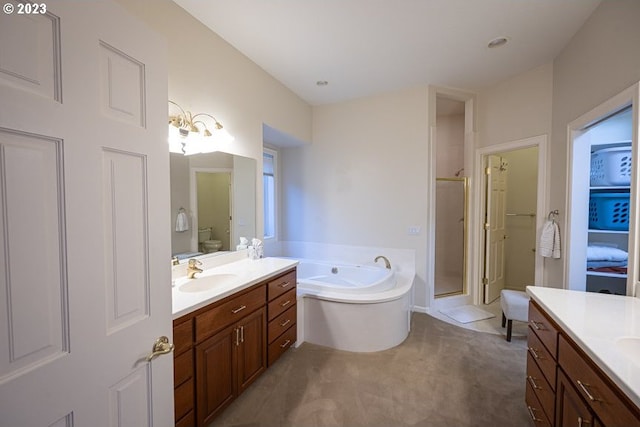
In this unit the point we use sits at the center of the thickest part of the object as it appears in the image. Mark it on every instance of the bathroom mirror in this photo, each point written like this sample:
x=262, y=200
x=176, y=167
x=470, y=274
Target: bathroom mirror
x=214, y=194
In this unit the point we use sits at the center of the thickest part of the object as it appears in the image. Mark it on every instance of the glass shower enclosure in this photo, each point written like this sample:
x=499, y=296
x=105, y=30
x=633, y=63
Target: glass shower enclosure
x=451, y=236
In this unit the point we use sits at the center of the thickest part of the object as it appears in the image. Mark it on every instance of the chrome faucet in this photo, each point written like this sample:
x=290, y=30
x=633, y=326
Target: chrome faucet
x=193, y=268
x=387, y=264
x=175, y=261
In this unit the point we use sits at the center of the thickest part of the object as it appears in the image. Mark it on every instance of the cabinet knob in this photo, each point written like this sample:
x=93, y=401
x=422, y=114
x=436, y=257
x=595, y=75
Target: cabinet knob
x=536, y=325
x=285, y=323
x=239, y=309
x=585, y=389
x=286, y=343
x=532, y=414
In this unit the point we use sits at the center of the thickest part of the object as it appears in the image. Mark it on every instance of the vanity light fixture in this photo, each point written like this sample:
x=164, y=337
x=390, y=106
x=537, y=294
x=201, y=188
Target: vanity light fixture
x=188, y=134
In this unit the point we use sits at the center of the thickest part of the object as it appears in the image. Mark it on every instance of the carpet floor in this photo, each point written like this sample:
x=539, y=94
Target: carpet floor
x=442, y=375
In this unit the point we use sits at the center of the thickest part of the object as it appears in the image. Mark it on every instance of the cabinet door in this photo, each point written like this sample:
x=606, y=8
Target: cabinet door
x=216, y=374
x=252, y=355
x=571, y=411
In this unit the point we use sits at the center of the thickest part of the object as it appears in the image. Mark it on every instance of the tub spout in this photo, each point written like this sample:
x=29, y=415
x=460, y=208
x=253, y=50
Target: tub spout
x=193, y=268
x=387, y=264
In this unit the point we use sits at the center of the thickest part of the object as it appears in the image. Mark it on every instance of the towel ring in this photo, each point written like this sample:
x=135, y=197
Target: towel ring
x=181, y=210
x=553, y=214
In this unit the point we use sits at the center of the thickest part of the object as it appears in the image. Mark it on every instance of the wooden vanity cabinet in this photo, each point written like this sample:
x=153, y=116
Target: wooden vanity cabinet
x=610, y=406
x=571, y=410
x=542, y=344
x=184, y=384
x=228, y=362
x=565, y=385
x=282, y=314
x=221, y=349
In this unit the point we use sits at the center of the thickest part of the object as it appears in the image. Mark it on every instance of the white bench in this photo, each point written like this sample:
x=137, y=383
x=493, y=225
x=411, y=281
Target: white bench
x=515, y=306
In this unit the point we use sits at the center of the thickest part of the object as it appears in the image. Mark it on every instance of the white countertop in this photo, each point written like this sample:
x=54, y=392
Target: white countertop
x=248, y=272
x=595, y=322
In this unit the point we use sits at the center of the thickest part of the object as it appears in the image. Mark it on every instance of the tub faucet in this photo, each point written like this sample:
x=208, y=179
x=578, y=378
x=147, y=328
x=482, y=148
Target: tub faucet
x=387, y=264
x=193, y=268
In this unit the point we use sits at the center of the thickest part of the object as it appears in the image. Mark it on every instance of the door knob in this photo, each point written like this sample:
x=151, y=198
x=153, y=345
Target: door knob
x=160, y=347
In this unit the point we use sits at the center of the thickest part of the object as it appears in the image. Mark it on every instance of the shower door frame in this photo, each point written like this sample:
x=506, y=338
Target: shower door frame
x=465, y=232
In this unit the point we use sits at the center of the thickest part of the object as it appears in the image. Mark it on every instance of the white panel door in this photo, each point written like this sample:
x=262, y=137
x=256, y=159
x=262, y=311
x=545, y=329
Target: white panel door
x=84, y=214
x=495, y=236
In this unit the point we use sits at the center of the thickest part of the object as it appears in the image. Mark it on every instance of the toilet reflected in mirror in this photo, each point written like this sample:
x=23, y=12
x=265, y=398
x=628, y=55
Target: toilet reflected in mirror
x=206, y=243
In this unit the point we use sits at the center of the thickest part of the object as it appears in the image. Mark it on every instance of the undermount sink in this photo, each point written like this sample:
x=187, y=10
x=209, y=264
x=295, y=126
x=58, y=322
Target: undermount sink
x=205, y=283
x=629, y=346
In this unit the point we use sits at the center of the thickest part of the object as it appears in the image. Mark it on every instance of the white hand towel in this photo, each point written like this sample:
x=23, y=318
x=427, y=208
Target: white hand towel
x=550, y=240
x=182, y=222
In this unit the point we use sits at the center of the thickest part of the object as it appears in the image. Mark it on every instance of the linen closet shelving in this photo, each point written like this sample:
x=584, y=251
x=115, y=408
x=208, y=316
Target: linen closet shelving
x=603, y=194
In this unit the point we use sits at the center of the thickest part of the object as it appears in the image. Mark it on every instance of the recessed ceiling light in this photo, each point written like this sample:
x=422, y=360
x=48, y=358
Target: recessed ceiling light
x=322, y=83
x=497, y=42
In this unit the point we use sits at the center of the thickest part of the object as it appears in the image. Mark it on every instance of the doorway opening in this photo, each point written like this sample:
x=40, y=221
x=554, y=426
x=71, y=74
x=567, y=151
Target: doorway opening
x=211, y=204
x=512, y=187
x=449, y=259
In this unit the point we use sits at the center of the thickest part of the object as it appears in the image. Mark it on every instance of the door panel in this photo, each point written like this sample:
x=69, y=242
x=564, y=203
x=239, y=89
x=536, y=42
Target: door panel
x=84, y=212
x=495, y=236
x=30, y=46
x=31, y=227
x=125, y=240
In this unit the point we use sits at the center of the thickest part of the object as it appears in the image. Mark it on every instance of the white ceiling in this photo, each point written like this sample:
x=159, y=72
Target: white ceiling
x=363, y=47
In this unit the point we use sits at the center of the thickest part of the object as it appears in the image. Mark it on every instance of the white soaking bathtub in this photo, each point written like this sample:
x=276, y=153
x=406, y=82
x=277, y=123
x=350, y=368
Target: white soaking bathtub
x=353, y=307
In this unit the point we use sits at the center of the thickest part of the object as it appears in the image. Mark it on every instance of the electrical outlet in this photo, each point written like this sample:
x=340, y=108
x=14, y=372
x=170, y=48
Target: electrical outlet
x=413, y=230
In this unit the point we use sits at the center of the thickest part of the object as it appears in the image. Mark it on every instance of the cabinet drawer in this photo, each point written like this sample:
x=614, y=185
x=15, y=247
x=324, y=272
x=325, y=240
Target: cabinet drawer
x=535, y=409
x=281, y=323
x=183, y=396
x=188, y=420
x=544, y=328
x=542, y=357
x=282, y=303
x=182, y=336
x=228, y=312
x=183, y=367
x=601, y=395
x=541, y=388
x=280, y=285
x=571, y=410
x=281, y=345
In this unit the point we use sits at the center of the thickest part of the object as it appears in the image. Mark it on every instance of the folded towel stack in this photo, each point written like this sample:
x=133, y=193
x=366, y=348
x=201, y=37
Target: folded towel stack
x=606, y=253
x=601, y=257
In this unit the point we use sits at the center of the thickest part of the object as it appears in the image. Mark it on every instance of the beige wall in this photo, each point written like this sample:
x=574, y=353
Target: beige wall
x=206, y=74
x=517, y=108
x=600, y=61
x=363, y=180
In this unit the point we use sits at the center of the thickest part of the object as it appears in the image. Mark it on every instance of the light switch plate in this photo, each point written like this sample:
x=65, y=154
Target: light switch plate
x=413, y=230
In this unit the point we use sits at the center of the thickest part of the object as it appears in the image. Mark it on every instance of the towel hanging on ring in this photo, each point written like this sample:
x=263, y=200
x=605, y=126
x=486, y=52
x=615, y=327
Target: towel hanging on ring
x=550, y=240
x=182, y=221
